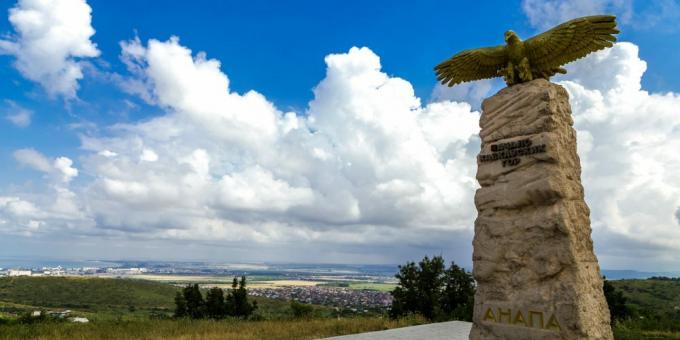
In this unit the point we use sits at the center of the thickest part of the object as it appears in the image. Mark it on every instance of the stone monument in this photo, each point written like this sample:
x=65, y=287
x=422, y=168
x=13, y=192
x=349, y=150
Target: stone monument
x=537, y=276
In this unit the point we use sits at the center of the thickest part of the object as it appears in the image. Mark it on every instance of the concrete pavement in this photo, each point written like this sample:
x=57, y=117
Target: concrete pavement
x=451, y=330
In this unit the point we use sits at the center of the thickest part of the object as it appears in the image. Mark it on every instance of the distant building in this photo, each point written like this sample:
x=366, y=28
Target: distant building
x=53, y=271
x=126, y=271
x=89, y=270
x=60, y=314
x=16, y=272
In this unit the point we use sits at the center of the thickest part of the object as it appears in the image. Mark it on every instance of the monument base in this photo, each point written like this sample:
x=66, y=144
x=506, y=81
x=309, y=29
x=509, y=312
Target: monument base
x=537, y=275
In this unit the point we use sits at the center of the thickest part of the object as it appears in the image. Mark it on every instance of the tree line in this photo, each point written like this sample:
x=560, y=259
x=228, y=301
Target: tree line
x=433, y=291
x=427, y=288
x=189, y=303
x=439, y=294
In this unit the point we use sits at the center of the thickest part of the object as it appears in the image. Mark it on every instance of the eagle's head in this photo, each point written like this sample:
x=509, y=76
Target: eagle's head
x=511, y=37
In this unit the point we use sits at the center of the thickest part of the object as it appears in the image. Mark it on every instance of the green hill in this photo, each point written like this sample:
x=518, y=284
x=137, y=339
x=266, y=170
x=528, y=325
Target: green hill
x=652, y=296
x=86, y=293
x=655, y=309
x=108, y=298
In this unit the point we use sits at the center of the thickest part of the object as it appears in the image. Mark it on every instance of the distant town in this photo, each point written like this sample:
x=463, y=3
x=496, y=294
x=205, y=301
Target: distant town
x=358, y=288
x=358, y=300
x=61, y=271
x=361, y=289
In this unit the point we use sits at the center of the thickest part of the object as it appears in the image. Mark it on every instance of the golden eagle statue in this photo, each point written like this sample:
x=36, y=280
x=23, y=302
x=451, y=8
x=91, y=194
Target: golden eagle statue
x=538, y=57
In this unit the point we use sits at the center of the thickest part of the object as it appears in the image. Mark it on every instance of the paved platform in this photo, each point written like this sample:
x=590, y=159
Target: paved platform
x=451, y=330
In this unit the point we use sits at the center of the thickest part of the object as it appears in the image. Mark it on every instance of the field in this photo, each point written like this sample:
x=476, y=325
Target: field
x=383, y=287
x=204, y=329
x=183, y=279
x=282, y=283
x=260, y=281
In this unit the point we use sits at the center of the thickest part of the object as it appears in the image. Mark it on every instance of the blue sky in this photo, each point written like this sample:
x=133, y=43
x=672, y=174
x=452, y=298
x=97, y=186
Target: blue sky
x=277, y=49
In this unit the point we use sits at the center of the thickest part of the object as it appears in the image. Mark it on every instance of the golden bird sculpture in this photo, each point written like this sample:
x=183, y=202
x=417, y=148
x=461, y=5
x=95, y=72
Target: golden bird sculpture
x=538, y=57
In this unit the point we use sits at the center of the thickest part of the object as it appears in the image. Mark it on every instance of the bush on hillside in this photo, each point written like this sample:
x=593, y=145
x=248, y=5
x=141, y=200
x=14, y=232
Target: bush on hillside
x=301, y=310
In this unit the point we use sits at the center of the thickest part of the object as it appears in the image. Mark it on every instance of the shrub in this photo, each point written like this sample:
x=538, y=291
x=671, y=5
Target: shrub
x=301, y=310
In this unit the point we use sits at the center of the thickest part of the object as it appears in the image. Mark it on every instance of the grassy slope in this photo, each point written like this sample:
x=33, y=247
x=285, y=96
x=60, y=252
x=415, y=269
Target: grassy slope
x=204, y=329
x=110, y=299
x=660, y=296
x=650, y=299
x=88, y=293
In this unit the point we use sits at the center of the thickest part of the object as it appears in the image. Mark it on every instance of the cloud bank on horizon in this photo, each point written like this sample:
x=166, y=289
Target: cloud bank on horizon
x=365, y=164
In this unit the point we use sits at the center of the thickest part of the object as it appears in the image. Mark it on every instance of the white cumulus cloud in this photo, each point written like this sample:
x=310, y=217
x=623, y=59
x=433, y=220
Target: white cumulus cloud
x=50, y=38
x=50, y=209
x=628, y=139
x=367, y=164
x=365, y=156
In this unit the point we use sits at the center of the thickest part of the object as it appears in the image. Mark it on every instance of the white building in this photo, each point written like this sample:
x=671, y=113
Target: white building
x=126, y=271
x=17, y=272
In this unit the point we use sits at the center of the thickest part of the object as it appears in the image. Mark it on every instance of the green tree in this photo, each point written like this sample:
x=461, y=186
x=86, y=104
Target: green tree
x=616, y=302
x=229, y=303
x=430, y=285
x=459, y=292
x=432, y=291
x=180, y=306
x=405, y=295
x=194, y=300
x=214, y=303
x=237, y=301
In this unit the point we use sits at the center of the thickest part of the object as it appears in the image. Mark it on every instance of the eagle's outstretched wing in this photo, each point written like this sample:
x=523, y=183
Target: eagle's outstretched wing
x=570, y=41
x=479, y=63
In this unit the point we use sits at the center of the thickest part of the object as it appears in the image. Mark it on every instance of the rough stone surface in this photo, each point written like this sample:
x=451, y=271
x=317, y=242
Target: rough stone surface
x=537, y=275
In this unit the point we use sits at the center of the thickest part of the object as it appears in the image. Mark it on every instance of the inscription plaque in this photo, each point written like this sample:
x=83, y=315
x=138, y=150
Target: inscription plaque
x=510, y=152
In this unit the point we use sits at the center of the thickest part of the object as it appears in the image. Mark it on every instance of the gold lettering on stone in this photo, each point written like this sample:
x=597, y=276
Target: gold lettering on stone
x=531, y=319
x=489, y=315
x=553, y=324
x=502, y=313
x=519, y=318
